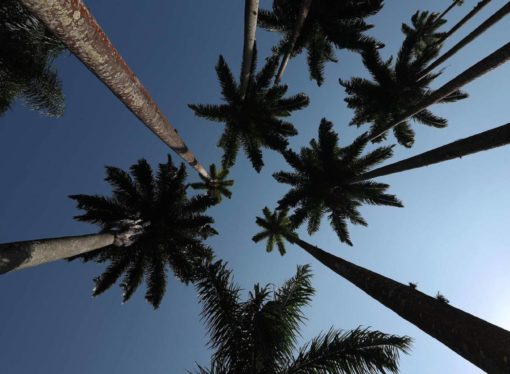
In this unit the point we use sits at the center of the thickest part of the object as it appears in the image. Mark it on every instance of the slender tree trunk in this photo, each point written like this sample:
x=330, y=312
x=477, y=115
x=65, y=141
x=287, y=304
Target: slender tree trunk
x=251, y=12
x=21, y=255
x=480, y=142
x=300, y=21
x=482, y=67
x=480, y=342
x=73, y=23
x=492, y=20
x=447, y=10
x=478, y=7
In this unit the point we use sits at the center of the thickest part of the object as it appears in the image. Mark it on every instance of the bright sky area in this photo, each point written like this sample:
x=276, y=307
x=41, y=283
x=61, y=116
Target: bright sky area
x=452, y=235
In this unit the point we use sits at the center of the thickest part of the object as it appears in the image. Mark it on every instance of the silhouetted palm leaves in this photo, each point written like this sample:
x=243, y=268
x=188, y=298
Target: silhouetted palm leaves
x=259, y=335
x=398, y=86
x=173, y=236
x=320, y=182
x=216, y=185
x=330, y=24
x=255, y=122
x=27, y=51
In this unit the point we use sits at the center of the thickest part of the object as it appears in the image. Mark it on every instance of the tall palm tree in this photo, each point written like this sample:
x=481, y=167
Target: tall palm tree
x=147, y=224
x=449, y=8
x=251, y=9
x=488, y=23
x=27, y=52
x=483, y=344
x=76, y=27
x=477, y=8
x=396, y=86
x=319, y=27
x=259, y=335
x=217, y=185
x=254, y=121
x=320, y=182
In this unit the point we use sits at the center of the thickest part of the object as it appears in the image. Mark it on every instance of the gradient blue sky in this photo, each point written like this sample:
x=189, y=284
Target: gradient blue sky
x=451, y=236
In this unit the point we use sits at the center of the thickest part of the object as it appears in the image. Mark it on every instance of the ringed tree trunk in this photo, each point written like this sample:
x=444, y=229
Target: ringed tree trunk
x=492, y=20
x=300, y=21
x=75, y=26
x=480, y=342
x=483, y=141
x=251, y=12
x=478, y=7
x=21, y=255
x=477, y=70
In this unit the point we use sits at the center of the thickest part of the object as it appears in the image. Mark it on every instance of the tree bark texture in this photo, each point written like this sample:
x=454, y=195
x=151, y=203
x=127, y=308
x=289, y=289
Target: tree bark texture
x=483, y=141
x=482, y=67
x=483, y=344
x=21, y=255
x=251, y=12
x=73, y=23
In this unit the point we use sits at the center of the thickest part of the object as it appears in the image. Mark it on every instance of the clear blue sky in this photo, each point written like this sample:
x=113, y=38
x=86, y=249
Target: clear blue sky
x=451, y=236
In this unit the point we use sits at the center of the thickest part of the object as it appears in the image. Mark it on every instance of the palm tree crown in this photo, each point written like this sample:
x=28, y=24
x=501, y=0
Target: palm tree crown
x=27, y=51
x=217, y=185
x=175, y=228
x=399, y=86
x=259, y=335
x=255, y=121
x=329, y=24
x=321, y=182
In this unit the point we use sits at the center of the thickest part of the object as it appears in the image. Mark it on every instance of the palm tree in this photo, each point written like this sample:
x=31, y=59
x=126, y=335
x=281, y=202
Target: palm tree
x=76, y=27
x=396, y=86
x=450, y=7
x=488, y=23
x=251, y=9
x=259, y=335
x=477, y=8
x=217, y=185
x=483, y=141
x=320, y=182
x=483, y=344
x=27, y=52
x=254, y=121
x=319, y=27
x=147, y=224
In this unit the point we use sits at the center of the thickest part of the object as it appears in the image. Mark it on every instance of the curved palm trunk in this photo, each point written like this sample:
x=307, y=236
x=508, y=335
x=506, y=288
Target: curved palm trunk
x=73, y=23
x=483, y=141
x=478, y=7
x=482, y=67
x=480, y=342
x=21, y=255
x=492, y=20
x=251, y=11
x=300, y=21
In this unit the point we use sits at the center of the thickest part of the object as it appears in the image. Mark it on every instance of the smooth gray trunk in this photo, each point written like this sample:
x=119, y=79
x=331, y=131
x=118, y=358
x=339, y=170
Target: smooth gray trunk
x=300, y=21
x=482, y=67
x=480, y=342
x=251, y=12
x=73, y=23
x=478, y=7
x=483, y=141
x=492, y=20
x=21, y=255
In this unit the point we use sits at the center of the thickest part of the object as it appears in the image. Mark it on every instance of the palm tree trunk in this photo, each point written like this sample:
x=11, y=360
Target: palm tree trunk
x=300, y=21
x=482, y=67
x=73, y=23
x=21, y=255
x=478, y=7
x=480, y=142
x=251, y=11
x=492, y=20
x=480, y=342
x=447, y=10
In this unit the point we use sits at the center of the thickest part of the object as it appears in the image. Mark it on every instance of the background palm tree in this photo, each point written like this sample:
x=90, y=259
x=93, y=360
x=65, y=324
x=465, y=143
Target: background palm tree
x=259, y=335
x=27, y=52
x=217, y=185
x=254, y=121
x=396, y=87
x=477, y=8
x=320, y=182
x=147, y=224
x=328, y=24
x=483, y=344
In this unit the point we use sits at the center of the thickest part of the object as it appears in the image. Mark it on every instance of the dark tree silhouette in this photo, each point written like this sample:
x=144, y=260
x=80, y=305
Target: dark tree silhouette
x=259, y=335
x=320, y=182
x=217, y=185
